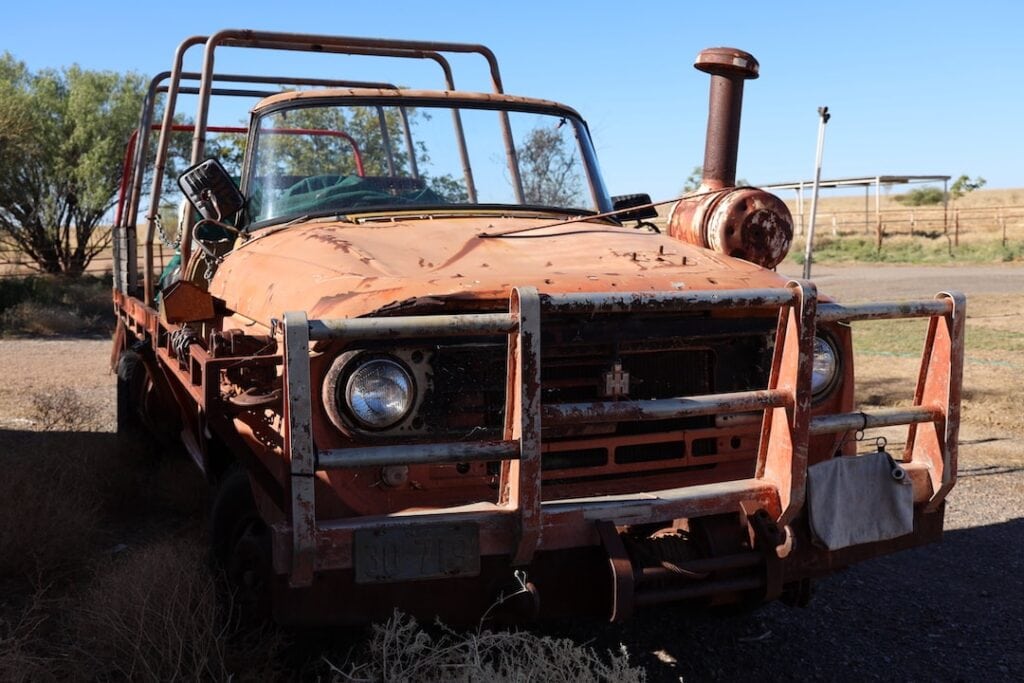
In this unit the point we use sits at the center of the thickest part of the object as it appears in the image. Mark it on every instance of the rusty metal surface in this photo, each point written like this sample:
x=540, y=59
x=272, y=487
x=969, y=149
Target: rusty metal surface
x=418, y=454
x=299, y=448
x=782, y=458
x=662, y=409
x=623, y=580
x=870, y=419
x=425, y=552
x=702, y=566
x=728, y=67
x=883, y=311
x=410, y=97
x=345, y=270
x=184, y=301
x=406, y=326
x=745, y=223
x=521, y=479
x=753, y=225
x=626, y=302
x=939, y=386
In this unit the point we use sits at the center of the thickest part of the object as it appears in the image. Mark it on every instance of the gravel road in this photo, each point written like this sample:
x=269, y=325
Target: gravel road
x=873, y=282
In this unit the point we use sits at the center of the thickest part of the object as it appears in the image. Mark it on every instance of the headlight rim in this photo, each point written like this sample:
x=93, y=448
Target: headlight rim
x=335, y=391
x=817, y=396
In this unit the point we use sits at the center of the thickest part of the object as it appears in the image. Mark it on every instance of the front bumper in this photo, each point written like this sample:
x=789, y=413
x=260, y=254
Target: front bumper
x=519, y=525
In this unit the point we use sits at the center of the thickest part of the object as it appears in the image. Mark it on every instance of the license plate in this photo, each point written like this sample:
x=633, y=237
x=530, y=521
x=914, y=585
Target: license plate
x=416, y=552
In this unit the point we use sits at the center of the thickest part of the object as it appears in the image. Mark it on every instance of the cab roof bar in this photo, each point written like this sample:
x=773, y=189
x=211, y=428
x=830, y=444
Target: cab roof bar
x=313, y=43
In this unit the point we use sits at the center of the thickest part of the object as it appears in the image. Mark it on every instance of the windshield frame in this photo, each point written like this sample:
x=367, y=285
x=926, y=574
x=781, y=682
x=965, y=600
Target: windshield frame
x=442, y=101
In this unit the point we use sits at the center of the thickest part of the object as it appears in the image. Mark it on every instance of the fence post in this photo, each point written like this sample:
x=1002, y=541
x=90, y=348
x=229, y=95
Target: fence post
x=879, y=230
x=956, y=227
x=1002, y=225
x=913, y=222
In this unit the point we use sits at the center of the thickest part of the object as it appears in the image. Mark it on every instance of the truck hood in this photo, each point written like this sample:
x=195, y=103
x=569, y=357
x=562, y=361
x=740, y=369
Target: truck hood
x=333, y=269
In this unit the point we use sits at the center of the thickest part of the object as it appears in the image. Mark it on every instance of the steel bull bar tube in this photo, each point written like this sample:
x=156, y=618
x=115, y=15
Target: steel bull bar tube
x=778, y=484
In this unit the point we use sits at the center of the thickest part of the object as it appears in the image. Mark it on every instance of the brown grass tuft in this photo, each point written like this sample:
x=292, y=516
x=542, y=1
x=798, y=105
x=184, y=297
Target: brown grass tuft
x=48, y=306
x=63, y=410
x=43, y=320
x=400, y=650
x=20, y=659
x=153, y=615
x=49, y=512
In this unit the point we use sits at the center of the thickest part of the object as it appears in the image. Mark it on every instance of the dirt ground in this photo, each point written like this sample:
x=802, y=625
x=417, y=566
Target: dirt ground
x=952, y=611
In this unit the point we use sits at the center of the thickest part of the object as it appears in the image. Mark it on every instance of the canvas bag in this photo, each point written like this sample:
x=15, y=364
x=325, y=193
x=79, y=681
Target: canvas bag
x=859, y=499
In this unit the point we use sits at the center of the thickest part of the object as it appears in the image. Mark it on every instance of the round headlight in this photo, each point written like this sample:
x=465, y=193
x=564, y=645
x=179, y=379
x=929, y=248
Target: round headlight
x=826, y=366
x=379, y=393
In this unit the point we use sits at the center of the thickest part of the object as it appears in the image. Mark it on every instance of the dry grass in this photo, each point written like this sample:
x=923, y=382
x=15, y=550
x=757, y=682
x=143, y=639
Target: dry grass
x=829, y=202
x=63, y=409
x=48, y=306
x=20, y=659
x=401, y=650
x=152, y=615
x=117, y=537
x=49, y=512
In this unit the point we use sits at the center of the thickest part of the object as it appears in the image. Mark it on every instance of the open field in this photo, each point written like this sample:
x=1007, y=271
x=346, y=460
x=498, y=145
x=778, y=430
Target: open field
x=953, y=611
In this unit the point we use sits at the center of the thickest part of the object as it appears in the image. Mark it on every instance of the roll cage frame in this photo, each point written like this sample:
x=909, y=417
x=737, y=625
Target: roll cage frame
x=126, y=276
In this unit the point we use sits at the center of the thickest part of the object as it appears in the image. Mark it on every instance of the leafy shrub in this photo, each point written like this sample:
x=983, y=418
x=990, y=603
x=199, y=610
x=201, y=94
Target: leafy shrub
x=51, y=305
x=921, y=196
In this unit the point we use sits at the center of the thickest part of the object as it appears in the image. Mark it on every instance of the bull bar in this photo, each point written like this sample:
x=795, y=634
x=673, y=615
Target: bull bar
x=519, y=523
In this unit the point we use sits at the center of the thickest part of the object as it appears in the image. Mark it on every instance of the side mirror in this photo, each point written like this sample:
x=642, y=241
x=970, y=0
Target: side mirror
x=211, y=190
x=623, y=202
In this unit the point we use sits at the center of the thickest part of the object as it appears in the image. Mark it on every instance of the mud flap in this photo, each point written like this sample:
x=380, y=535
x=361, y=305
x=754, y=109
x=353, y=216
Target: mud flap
x=859, y=499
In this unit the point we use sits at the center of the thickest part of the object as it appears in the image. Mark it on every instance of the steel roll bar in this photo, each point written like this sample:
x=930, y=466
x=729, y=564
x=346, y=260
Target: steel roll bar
x=126, y=267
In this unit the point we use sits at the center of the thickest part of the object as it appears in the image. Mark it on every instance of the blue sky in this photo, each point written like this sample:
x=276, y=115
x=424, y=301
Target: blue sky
x=914, y=88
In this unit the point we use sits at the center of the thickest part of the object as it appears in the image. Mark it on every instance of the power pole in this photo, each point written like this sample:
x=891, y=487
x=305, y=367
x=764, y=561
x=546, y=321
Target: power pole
x=824, y=116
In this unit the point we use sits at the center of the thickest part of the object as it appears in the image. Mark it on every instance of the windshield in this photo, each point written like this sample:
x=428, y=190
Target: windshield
x=318, y=159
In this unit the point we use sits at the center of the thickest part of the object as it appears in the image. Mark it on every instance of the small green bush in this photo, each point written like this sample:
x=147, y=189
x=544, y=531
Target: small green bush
x=921, y=196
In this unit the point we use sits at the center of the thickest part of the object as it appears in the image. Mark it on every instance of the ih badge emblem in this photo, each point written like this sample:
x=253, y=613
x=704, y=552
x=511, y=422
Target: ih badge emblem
x=616, y=382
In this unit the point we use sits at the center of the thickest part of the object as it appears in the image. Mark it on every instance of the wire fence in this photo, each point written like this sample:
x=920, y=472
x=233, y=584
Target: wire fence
x=1003, y=223
x=15, y=263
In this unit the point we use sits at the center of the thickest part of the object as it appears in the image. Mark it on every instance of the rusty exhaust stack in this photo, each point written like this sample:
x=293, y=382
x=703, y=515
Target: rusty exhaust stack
x=744, y=223
x=728, y=67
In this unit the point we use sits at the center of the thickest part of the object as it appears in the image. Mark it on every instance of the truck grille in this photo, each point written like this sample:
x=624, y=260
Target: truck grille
x=664, y=359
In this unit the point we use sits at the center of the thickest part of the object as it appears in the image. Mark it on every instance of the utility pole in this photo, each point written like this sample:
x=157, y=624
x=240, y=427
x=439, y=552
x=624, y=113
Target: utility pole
x=824, y=116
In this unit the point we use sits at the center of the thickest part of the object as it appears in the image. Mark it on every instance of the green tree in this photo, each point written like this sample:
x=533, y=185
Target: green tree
x=61, y=146
x=318, y=154
x=382, y=146
x=965, y=184
x=693, y=181
x=550, y=168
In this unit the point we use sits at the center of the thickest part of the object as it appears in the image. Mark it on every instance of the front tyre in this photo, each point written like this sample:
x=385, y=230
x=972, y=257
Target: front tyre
x=240, y=545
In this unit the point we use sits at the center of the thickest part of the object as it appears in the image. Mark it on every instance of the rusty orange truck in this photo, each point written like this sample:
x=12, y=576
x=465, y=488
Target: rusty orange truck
x=431, y=364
